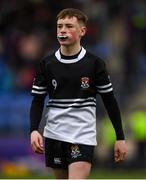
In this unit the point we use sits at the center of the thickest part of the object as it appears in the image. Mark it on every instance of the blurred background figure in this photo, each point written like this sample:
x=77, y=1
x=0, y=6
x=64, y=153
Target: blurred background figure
x=116, y=33
x=138, y=132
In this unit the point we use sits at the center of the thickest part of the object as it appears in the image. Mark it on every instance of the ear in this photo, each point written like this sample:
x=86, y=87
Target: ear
x=83, y=31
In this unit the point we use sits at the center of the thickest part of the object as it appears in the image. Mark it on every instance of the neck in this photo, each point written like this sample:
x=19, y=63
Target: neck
x=70, y=50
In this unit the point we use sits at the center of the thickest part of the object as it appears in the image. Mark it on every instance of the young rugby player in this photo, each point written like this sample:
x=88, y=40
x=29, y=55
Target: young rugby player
x=72, y=77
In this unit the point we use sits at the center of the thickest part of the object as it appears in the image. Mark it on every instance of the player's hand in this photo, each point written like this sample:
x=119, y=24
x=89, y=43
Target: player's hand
x=119, y=150
x=37, y=142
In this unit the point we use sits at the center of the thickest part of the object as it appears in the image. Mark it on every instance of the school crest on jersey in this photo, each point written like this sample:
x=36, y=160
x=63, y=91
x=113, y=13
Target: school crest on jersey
x=75, y=151
x=85, y=82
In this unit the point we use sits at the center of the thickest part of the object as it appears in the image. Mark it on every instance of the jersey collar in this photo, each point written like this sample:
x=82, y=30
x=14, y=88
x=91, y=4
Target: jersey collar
x=68, y=61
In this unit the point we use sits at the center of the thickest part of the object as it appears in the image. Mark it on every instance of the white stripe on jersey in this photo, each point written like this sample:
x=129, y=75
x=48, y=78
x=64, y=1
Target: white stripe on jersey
x=38, y=92
x=104, y=86
x=70, y=105
x=66, y=103
x=73, y=100
x=105, y=91
x=39, y=87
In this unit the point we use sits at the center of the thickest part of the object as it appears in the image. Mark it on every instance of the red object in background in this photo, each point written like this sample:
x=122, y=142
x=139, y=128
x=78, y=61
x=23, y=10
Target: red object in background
x=25, y=78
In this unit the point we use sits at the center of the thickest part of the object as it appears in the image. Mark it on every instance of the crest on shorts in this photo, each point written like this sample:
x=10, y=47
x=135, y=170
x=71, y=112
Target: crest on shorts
x=85, y=82
x=57, y=160
x=75, y=151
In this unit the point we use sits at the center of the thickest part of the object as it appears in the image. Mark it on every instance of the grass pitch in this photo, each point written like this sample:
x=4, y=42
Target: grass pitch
x=95, y=174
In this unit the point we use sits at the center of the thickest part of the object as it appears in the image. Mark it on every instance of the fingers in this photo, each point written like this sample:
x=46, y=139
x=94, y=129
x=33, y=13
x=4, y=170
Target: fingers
x=37, y=148
x=116, y=156
x=40, y=142
x=120, y=151
x=119, y=156
x=37, y=142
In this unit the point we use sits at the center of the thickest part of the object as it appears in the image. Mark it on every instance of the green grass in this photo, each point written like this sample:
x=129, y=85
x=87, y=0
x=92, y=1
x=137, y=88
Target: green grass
x=97, y=174
x=118, y=174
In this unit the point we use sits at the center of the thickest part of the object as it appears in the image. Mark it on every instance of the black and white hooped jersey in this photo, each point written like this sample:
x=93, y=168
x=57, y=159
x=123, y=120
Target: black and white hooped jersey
x=72, y=85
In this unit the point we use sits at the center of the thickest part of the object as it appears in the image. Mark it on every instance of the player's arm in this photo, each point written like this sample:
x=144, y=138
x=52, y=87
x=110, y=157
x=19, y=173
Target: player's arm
x=36, y=111
x=39, y=92
x=105, y=89
x=112, y=108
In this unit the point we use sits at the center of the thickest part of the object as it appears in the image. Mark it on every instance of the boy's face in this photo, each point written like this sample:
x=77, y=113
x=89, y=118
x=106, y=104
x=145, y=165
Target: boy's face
x=69, y=31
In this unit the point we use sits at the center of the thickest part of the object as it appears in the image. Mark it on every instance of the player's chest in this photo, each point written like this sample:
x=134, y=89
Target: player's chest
x=77, y=74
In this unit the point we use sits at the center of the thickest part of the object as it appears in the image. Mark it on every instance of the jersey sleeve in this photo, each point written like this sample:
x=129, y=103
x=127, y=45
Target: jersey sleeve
x=103, y=82
x=105, y=89
x=39, y=87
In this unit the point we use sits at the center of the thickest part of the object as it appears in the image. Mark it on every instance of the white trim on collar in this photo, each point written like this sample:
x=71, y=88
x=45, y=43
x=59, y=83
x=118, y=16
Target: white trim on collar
x=80, y=56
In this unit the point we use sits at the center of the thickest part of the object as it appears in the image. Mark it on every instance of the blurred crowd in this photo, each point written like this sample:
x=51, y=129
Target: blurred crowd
x=116, y=33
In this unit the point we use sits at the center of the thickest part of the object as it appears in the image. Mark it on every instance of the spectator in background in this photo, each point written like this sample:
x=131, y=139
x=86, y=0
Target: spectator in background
x=30, y=49
x=21, y=18
x=137, y=121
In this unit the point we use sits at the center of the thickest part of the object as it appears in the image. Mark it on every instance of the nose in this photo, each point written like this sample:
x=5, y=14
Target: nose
x=63, y=29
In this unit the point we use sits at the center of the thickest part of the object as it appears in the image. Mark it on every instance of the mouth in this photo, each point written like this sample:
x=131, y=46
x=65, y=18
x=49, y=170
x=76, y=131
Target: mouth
x=62, y=37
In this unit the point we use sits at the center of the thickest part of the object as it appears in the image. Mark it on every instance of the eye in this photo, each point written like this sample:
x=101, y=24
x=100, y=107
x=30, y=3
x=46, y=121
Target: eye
x=69, y=26
x=59, y=26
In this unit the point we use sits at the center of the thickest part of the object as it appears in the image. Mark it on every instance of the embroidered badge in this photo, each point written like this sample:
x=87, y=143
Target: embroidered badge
x=57, y=160
x=75, y=151
x=85, y=82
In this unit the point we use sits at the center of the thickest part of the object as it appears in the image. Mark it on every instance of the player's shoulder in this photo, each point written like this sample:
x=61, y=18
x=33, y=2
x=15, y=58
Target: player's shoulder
x=48, y=57
x=98, y=61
